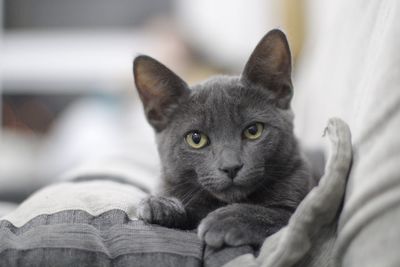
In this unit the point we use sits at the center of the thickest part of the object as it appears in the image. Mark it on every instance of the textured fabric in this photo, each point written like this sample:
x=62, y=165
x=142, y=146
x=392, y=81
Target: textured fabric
x=94, y=197
x=91, y=221
x=111, y=234
x=217, y=258
x=309, y=237
x=352, y=67
x=50, y=257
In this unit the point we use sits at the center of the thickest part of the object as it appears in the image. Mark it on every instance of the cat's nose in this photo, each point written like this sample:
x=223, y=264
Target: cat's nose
x=231, y=171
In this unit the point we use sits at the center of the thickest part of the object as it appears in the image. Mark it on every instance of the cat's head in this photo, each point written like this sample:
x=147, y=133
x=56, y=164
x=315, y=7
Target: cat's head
x=228, y=135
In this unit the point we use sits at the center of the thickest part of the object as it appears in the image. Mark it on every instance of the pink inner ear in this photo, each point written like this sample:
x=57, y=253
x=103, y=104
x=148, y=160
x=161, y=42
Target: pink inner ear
x=281, y=57
x=147, y=84
x=270, y=67
x=270, y=58
x=159, y=89
x=276, y=54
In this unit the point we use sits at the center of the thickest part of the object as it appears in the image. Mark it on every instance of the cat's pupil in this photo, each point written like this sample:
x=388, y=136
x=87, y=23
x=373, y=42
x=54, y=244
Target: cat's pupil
x=252, y=129
x=196, y=137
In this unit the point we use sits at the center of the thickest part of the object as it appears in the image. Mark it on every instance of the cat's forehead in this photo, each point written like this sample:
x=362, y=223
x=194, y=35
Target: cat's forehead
x=224, y=101
x=218, y=82
x=223, y=92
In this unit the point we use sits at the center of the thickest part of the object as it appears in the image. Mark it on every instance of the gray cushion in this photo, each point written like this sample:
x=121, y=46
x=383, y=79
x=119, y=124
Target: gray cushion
x=92, y=222
x=74, y=237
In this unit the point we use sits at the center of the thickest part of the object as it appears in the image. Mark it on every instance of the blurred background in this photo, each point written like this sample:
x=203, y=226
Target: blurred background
x=67, y=92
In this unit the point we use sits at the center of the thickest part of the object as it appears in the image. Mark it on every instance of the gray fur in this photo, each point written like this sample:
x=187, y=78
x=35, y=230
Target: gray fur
x=273, y=178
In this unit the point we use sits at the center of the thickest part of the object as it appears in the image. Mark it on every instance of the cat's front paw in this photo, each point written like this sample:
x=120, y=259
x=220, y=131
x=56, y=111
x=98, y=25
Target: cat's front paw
x=164, y=211
x=227, y=226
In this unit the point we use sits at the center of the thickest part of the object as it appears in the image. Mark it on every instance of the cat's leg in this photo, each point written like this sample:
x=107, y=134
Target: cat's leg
x=241, y=224
x=165, y=211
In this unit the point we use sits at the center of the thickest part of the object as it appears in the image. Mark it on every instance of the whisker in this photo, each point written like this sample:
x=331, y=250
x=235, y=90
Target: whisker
x=195, y=196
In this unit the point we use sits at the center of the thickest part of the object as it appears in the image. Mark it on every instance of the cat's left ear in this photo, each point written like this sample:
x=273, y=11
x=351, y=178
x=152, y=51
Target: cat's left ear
x=269, y=67
x=159, y=88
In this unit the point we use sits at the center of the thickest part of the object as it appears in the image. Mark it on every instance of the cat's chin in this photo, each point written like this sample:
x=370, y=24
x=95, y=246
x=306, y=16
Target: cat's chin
x=232, y=194
x=228, y=190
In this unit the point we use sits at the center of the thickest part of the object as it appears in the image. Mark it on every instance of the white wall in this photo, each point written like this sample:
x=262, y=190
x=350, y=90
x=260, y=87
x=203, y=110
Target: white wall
x=227, y=30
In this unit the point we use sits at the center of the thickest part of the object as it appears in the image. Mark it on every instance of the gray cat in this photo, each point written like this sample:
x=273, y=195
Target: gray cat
x=231, y=165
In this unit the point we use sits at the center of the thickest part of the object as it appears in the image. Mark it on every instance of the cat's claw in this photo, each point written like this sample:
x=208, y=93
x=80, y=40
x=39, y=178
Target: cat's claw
x=164, y=211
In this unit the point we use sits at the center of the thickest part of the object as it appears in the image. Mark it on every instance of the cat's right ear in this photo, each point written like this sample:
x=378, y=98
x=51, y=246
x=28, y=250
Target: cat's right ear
x=269, y=67
x=159, y=88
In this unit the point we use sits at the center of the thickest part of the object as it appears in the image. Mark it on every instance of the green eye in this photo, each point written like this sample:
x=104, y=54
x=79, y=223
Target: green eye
x=196, y=139
x=253, y=131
